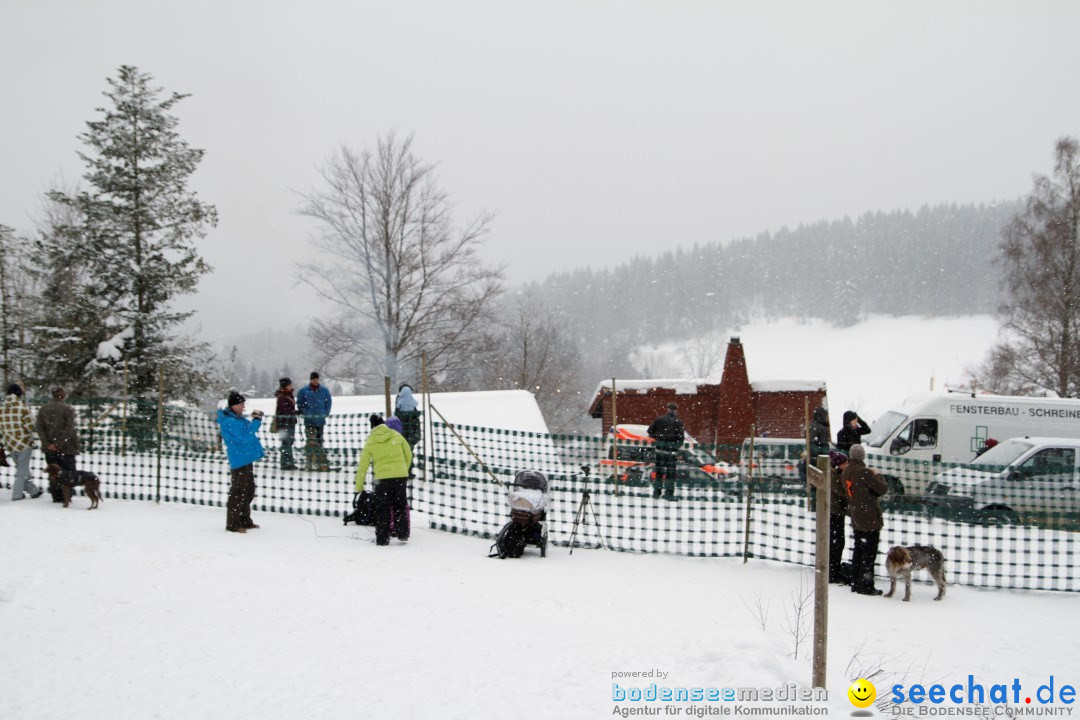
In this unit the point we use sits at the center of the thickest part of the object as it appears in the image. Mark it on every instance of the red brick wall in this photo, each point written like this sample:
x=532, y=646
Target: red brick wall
x=781, y=414
x=712, y=416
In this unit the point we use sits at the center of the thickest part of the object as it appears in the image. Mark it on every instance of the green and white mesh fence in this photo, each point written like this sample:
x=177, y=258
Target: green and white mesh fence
x=997, y=527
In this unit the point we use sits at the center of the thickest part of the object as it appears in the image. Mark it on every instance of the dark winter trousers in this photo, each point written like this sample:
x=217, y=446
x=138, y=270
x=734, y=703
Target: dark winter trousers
x=391, y=504
x=864, y=559
x=66, y=462
x=837, y=538
x=287, y=434
x=313, y=447
x=665, y=473
x=241, y=493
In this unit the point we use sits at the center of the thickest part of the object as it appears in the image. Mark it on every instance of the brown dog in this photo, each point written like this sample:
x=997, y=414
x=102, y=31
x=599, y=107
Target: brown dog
x=902, y=560
x=65, y=480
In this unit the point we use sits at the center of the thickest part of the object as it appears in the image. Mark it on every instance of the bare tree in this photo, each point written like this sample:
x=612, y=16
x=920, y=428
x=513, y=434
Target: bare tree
x=1041, y=254
x=531, y=350
x=702, y=353
x=393, y=263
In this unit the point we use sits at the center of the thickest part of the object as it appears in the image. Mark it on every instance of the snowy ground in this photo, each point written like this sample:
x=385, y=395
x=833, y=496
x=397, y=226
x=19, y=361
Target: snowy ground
x=140, y=610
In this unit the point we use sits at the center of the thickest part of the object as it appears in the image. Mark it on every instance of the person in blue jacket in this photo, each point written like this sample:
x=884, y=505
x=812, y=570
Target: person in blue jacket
x=314, y=401
x=243, y=447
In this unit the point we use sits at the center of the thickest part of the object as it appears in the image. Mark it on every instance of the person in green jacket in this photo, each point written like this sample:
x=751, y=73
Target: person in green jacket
x=391, y=456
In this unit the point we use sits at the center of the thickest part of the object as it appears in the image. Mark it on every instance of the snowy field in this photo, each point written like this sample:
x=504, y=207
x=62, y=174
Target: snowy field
x=140, y=610
x=153, y=611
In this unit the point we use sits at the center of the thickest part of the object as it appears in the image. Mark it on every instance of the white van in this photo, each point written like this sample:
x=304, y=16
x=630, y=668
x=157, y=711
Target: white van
x=1028, y=476
x=908, y=443
x=774, y=459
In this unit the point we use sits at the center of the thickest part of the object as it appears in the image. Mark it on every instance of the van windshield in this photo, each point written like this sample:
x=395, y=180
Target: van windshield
x=1004, y=453
x=884, y=427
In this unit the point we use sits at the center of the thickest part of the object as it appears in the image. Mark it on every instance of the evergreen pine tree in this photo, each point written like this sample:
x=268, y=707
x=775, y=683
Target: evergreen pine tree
x=139, y=225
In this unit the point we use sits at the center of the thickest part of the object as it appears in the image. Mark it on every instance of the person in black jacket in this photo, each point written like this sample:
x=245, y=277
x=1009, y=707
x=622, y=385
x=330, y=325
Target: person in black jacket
x=668, y=435
x=819, y=434
x=851, y=434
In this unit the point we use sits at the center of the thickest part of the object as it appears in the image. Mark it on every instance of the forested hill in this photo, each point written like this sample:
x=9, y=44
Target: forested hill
x=936, y=261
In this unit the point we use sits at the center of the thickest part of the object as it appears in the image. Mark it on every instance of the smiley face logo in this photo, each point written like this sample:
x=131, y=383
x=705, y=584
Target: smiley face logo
x=862, y=693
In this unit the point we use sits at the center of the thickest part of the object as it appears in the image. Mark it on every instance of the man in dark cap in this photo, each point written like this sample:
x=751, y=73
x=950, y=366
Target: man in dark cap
x=314, y=401
x=242, y=444
x=285, y=419
x=59, y=438
x=668, y=435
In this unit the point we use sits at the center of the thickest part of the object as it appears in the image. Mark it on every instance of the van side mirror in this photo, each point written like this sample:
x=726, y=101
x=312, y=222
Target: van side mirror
x=898, y=447
x=1019, y=474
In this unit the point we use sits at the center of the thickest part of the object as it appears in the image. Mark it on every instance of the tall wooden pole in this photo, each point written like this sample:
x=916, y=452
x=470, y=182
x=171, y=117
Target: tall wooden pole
x=821, y=478
x=160, y=427
x=425, y=401
x=123, y=416
x=386, y=394
x=749, y=486
x=614, y=438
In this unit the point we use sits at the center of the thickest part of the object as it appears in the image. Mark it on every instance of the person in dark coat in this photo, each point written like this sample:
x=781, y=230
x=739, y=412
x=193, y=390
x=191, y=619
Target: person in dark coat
x=864, y=487
x=819, y=440
x=243, y=448
x=285, y=417
x=59, y=438
x=819, y=434
x=314, y=403
x=838, y=510
x=851, y=434
x=668, y=435
x=406, y=409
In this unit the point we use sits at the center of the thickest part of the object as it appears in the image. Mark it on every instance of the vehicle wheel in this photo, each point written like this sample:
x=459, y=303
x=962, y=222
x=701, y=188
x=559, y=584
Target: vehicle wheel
x=998, y=515
x=543, y=544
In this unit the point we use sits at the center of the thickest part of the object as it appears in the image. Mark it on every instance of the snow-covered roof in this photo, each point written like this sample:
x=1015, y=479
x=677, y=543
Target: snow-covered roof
x=788, y=386
x=689, y=386
x=503, y=409
x=682, y=386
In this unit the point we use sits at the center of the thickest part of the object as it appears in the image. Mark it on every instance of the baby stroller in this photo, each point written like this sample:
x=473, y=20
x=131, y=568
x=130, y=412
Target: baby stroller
x=528, y=498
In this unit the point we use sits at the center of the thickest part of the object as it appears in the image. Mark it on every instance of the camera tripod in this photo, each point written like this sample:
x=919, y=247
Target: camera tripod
x=583, y=506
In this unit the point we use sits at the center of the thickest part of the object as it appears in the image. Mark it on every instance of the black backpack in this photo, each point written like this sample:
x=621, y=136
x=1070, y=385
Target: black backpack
x=363, y=509
x=510, y=542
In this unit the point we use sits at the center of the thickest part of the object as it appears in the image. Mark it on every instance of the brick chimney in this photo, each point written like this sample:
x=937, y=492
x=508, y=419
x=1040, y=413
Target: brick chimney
x=735, y=404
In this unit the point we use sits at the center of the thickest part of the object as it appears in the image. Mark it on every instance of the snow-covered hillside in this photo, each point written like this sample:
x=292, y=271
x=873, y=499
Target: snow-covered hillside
x=868, y=367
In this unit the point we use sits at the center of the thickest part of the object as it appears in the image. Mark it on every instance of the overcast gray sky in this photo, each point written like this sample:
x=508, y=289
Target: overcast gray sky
x=596, y=130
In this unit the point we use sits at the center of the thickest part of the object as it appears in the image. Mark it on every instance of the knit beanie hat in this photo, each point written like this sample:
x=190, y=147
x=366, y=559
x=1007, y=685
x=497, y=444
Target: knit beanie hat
x=15, y=389
x=235, y=398
x=857, y=452
x=376, y=420
x=837, y=458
